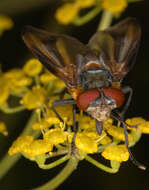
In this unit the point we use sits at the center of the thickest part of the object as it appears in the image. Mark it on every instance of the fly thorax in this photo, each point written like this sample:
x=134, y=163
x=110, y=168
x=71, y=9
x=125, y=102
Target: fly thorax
x=95, y=78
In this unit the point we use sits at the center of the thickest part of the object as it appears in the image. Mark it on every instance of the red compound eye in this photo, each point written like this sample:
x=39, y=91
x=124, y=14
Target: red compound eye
x=115, y=94
x=86, y=97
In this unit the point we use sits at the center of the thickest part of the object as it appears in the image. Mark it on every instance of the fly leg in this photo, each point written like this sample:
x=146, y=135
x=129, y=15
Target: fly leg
x=60, y=103
x=67, y=102
x=126, y=90
x=135, y=162
x=74, y=129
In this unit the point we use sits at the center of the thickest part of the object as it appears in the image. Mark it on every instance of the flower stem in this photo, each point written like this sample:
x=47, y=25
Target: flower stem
x=101, y=166
x=53, y=164
x=8, y=161
x=105, y=21
x=84, y=19
x=61, y=177
x=8, y=110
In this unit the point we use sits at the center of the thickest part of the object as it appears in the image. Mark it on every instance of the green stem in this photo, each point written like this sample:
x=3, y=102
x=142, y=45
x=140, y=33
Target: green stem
x=82, y=20
x=9, y=110
x=106, y=20
x=53, y=164
x=8, y=161
x=62, y=176
x=101, y=166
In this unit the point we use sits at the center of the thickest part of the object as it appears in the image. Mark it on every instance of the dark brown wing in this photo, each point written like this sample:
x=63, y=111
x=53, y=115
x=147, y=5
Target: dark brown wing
x=117, y=46
x=57, y=52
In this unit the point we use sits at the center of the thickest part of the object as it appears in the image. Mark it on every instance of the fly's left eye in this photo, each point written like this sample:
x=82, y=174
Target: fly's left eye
x=86, y=97
x=115, y=94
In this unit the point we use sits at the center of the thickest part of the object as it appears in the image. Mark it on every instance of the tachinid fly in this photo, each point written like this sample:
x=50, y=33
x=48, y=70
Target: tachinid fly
x=93, y=73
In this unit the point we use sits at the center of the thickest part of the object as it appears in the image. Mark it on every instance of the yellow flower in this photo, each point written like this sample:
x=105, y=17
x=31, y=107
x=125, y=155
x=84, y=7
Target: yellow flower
x=118, y=133
x=67, y=13
x=3, y=129
x=114, y=6
x=14, y=73
x=135, y=121
x=85, y=143
x=86, y=122
x=5, y=23
x=17, y=78
x=43, y=124
x=106, y=140
x=52, y=99
x=140, y=123
x=59, y=85
x=32, y=67
x=92, y=133
x=85, y=3
x=37, y=147
x=52, y=120
x=116, y=152
x=46, y=78
x=64, y=111
x=20, y=144
x=55, y=136
x=107, y=123
x=34, y=98
x=144, y=127
x=55, y=84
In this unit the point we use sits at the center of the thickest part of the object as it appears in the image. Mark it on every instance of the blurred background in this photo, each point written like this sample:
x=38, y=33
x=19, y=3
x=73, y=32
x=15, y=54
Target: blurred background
x=13, y=53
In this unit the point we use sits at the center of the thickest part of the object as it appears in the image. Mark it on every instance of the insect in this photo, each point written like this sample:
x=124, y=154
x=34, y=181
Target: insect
x=93, y=73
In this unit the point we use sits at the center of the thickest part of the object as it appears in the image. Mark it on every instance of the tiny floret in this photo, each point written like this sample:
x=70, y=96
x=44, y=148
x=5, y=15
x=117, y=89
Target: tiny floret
x=46, y=78
x=32, y=67
x=35, y=98
x=43, y=124
x=106, y=140
x=116, y=152
x=135, y=121
x=20, y=144
x=118, y=133
x=85, y=143
x=55, y=136
x=67, y=13
x=144, y=127
x=38, y=147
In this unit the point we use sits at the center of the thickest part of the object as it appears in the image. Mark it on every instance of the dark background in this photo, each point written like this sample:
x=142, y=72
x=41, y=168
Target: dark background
x=13, y=53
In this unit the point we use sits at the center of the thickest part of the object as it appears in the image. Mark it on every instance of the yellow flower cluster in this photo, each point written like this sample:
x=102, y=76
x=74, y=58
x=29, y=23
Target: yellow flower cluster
x=69, y=12
x=38, y=89
x=87, y=140
x=19, y=81
x=29, y=146
x=35, y=98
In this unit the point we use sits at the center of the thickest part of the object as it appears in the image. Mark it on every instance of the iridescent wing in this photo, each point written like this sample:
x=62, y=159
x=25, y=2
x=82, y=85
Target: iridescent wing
x=117, y=47
x=57, y=52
